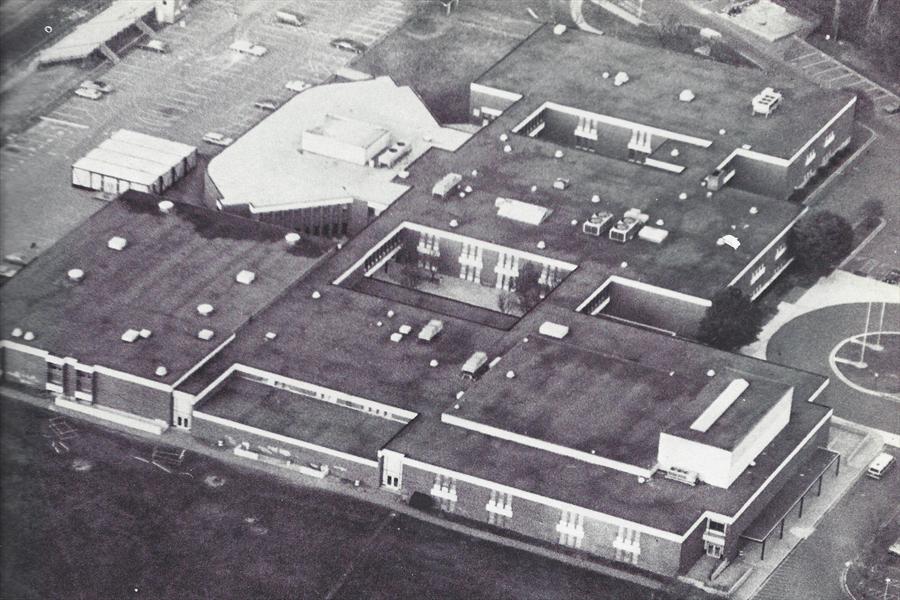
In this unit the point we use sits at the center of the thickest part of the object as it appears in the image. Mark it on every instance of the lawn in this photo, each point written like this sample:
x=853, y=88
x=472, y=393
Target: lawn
x=439, y=55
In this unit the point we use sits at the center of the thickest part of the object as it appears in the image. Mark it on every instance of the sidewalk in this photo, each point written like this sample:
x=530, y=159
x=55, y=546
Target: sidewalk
x=747, y=574
x=393, y=502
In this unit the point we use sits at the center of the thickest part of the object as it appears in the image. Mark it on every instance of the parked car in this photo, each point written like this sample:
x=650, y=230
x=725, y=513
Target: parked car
x=881, y=465
x=250, y=48
x=893, y=277
x=21, y=259
x=297, y=85
x=217, y=139
x=290, y=17
x=7, y=271
x=100, y=86
x=89, y=93
x=155, y=46
x=266, y=104
x=348, y=45
x=892, y=108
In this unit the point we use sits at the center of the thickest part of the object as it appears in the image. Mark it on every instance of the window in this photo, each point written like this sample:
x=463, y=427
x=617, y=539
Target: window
x=716, y=527
x=54, y=374
x=571, y=529
x=757, y=273
x=444, y=489
x=810, y=157
x=84, y=382
x=627, y=545
x=780, y=250
x=828, y=139
x=499, y=508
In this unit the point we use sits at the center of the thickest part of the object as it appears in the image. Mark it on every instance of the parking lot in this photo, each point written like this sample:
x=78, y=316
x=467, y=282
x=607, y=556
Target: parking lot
x=200, y=85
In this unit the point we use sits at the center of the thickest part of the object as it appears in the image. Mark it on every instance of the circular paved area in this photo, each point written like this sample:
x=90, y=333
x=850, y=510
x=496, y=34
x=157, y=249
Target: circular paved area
x=809, y=341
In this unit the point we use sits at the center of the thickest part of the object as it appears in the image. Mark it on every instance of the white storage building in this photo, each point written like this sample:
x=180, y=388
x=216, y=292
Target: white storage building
x=132, y=160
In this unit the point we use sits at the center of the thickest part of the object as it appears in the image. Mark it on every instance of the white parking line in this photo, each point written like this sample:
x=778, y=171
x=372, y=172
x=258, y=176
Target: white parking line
x=63, y=122
x=807, y=55
x=841, y=77
x=818, y=62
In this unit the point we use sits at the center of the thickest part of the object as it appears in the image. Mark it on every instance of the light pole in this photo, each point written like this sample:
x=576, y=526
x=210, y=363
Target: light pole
x=887, y=582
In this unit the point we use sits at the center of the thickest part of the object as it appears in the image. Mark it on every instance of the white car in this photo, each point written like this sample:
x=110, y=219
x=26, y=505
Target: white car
x=247, y=47
x=155, y=46
x=297, y=85
x=217, y=139
x=100, y=86
x=89, y=93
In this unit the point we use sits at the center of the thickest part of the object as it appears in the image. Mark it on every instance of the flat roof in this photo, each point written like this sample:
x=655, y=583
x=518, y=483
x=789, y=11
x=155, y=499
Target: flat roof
x=608, y=402
x=300, y=417
x=88, y=36
x=656, y=78
x=349, y=131
x=172, y=263
x=265, y=165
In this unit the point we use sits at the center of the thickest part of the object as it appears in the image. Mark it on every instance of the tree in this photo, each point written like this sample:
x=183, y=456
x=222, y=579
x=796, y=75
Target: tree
x=506, y=302
x=871, y=212
x=732, y=321
x=820, y=241
x=528, y=287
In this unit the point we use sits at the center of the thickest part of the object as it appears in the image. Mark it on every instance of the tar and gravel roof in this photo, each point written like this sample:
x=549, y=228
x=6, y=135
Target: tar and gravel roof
x=171, y=264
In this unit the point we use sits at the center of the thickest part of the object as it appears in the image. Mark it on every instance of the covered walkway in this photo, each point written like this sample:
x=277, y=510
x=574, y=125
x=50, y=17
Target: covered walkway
x=793, y=493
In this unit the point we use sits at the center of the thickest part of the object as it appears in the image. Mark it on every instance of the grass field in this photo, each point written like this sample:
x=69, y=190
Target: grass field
x=450, y=52
x=85, y=515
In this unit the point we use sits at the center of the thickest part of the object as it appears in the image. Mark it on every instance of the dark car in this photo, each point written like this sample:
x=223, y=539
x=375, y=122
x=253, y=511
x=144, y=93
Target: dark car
x=348, y=45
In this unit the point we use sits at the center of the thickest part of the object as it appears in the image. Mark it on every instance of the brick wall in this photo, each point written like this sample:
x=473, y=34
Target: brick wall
x=132, y=397
x=24, y=368
x=539, y=521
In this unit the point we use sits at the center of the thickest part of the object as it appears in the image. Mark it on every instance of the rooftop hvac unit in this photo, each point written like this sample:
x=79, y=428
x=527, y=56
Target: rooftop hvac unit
x=635, y=213
x=597, y=224
x=393, y=154
x=682, y=475
x=653, y=234
x=621, y=78
x=718, y=178
x=765, y=102
x=446, y=185
x=475, y=365
x=686, y=96
x=431, y=330
x=131, y=335
x=730, y=241
x=206, y=334
x=624, y=229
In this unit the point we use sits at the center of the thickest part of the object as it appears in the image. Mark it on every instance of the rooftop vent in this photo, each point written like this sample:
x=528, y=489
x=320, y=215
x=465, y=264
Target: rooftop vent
x=605, y=75
x=145, y=333
x=510, y=374
x=711, y=373
x=559, y=154
x=730, y=241
x=316, y=295
x=75, y=275
x=206, y=334
x=292, y=238
x=561, y=183
x=17, y=332
x=271, y=335
x=161, y=371
x=753, y=210
x=166, y=206
x=503, y=137
x=28, y=336
x=682, y=196
x=458, y=396
x=396, y=337
x=390, y=314
x=205, y=309
x=554, y=330
x=131, y=335
x=116, y=243
x=595, y=199
x=404, y=329
x=454, y=223
x=507, y=148
x=686, y=96
x=433, y=363
x=674, y=152
x=245, y=277
x=541, y=245
x=559, y=29
x=621, y=78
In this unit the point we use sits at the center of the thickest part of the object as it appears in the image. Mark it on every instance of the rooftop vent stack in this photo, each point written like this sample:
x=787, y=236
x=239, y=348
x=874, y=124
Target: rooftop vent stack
x=17, y=332
x=166, y=207
x=75, y=275
x=292, y=239
x=28, y=336
x=686, y=96
x=161, y=371
x=205, y=309
x=621, y=78
x=117, y=243
x=559, y=29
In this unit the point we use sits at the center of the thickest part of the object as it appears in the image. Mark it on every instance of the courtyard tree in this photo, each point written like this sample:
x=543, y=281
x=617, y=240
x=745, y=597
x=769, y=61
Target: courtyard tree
x=732, y=321
x=820, y=241
x=528, y=287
